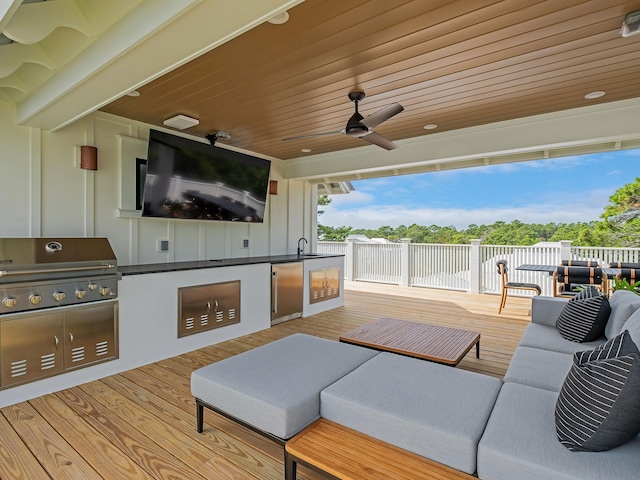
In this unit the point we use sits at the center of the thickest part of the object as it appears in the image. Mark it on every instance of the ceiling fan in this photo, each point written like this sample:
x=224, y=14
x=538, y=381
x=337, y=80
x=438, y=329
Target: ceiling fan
x=361, y=127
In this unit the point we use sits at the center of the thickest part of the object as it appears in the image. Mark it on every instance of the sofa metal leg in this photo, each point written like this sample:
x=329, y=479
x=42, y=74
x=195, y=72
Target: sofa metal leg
x=290, y=467
x=199, y=416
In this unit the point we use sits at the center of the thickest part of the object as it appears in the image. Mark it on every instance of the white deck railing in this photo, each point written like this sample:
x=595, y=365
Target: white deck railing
x=470, y=268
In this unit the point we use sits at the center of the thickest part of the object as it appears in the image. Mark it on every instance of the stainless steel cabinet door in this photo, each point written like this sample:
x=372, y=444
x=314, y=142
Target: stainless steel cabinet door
x=90, y=335
x=31, y=347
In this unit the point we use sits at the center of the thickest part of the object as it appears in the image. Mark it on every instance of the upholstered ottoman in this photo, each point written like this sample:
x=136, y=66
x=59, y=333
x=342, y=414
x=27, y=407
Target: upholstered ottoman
x=433, y=410
x=275, y=388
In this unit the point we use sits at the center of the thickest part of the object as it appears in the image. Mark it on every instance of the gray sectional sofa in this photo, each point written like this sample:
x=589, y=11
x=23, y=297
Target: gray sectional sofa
x=520, y=438
x=500, y=430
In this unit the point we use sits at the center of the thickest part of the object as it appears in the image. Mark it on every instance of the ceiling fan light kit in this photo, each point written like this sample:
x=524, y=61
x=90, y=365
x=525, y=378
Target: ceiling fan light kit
x=361, y=127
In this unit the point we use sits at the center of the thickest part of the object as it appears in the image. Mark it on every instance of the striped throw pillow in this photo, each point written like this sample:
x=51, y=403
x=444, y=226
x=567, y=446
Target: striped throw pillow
x=584, y=317
x=618, y=346
x=598, y=407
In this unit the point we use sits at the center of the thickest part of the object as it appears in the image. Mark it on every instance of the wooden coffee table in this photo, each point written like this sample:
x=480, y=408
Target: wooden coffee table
x=421, y=340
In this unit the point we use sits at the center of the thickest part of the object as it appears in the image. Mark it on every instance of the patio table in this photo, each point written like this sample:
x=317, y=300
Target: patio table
x=609, y=272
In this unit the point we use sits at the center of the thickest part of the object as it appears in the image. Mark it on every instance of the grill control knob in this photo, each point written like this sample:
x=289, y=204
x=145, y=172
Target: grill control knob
x=9, y=302
x=105, y=291
x=92, y=286
x=80, y=294
x=35, y=299
x=59, y=296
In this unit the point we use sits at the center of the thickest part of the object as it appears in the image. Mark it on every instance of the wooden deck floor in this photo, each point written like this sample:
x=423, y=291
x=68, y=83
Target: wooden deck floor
x=141, y=423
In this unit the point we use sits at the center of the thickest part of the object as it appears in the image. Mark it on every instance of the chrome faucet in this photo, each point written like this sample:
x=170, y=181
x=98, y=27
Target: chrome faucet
x=301, y=249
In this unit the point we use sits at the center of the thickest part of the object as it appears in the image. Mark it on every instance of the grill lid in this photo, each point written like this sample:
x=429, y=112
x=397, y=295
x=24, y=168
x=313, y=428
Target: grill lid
x=46, y=258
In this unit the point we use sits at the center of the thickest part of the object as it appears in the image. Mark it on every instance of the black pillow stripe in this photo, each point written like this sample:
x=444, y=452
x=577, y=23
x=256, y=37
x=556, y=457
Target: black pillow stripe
x=618, y=346
x=584, y=317
x=598, y=407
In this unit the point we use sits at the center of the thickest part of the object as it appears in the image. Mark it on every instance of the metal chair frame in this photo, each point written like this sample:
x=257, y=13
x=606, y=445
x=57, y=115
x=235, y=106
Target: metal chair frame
x=506, y=284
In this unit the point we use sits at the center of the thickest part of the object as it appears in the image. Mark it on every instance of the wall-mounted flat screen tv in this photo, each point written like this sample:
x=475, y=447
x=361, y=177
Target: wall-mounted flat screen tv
x=194, y=180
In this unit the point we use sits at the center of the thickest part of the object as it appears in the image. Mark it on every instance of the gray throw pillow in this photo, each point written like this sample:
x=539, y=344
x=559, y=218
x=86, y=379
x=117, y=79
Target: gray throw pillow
x=618, y=346
x=584, y=317
x=598, y=407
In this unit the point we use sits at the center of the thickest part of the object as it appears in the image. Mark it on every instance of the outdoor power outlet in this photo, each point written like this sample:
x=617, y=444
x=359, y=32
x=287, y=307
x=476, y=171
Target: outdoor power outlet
x=162, y=245
x=244, y=243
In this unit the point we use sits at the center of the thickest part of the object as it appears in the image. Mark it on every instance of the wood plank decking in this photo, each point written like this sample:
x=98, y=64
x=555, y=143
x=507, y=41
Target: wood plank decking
x=140, y=424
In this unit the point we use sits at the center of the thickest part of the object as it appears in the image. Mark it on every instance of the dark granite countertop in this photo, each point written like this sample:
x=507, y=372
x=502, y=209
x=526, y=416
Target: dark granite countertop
x=214, y=263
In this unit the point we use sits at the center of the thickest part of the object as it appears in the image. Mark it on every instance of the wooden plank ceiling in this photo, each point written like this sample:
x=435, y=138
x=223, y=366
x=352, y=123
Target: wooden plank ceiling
x=454, y=64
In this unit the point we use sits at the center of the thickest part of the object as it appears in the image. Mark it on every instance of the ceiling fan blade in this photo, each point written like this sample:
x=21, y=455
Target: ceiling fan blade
x=312, y=135
x=381, y=115
x=379, y=140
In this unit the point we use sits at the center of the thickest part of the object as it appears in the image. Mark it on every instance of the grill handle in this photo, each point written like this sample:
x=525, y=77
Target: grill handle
x=5, y=273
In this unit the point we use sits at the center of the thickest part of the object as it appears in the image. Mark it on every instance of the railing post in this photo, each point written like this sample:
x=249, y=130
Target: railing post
x=349, y=260
x=475, y=267
x=565, y=250
x=405, y=270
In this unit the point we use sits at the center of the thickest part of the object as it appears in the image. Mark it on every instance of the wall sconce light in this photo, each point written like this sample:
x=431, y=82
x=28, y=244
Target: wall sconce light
x=273, y=187
x=88, y=157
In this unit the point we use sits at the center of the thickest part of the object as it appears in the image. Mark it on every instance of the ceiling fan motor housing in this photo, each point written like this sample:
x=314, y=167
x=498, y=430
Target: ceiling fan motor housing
x=354, y=128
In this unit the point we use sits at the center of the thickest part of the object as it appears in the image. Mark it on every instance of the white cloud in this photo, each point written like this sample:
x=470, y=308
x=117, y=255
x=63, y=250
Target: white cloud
x=376, y=216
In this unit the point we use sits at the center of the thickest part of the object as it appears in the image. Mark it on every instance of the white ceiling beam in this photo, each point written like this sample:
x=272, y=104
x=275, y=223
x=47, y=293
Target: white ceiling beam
x=526, y=138
x=7, y=9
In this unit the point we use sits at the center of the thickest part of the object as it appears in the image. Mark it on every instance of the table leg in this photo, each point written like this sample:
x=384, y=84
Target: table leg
x=478, y=349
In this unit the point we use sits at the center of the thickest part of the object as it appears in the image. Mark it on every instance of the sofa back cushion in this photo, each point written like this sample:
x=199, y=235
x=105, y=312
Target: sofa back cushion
x=584, y=317
x=623, y=304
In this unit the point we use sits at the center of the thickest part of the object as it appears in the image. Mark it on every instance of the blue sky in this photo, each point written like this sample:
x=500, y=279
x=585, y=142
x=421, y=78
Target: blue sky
x=562, y=190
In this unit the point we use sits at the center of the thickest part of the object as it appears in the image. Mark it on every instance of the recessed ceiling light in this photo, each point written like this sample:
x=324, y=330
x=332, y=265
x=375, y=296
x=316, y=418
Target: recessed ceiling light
x=133, y=93
x=181, y=122
x=279, y=19
x=306, y=150
x=593, y=95
x=431, y=126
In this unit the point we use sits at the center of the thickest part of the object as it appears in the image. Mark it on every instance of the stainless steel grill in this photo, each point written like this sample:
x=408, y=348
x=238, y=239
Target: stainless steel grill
x=40, y=273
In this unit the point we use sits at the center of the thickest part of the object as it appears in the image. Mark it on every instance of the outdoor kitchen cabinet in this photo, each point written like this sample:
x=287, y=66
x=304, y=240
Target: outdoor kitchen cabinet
x=38, y=345
x=205, y=307
x=324, y=284
x=89, y=335
x=31, y=348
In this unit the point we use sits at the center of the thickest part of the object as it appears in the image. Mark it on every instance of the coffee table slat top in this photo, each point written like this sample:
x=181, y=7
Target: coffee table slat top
x=422, y=340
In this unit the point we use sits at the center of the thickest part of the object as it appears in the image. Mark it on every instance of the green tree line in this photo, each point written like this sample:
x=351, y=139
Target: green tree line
x=619, y=226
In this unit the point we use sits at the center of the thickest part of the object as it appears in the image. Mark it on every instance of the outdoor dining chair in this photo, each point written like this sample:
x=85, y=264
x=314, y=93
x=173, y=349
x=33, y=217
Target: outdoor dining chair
x=506, y=284
x=624, y=265
x=579, y=263
x=568, y=281
x=631, y=275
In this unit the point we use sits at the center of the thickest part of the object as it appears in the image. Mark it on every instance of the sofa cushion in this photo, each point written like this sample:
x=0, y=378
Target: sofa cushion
x=618, y=346
x=539, y=368
x=548, y=338
x=632, y=325
x=433, y=410
x=623, y=304
x=584, y=317
x=276, y=387
x=546, y=310
x=598, y=407
x=520, y=443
